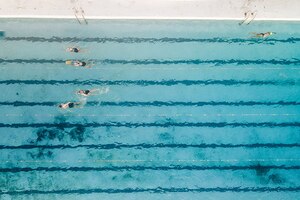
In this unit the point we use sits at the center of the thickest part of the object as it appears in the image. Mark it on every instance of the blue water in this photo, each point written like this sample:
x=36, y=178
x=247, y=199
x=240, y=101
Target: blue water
x=186, y=110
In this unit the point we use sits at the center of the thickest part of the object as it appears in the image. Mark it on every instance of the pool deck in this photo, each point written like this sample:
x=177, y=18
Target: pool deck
x=152, y=9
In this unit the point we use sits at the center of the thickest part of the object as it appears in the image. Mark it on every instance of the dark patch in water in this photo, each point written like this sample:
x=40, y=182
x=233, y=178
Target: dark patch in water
x=90, y=154
x=47, y=134
x=265, y=177
x=261, y=170
x=135, y=156
x=166, y=136
x=41, y=154
x=60, y=120
x=168, y=120
x=127, y=176
x=77, y=133
x=276, y=179
x=30, y=141
x=108, y=129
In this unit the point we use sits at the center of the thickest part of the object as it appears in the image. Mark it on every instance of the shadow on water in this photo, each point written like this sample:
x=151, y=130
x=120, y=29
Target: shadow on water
x=49, y=134
x=166, y=137
x=41, y=154
x=266, y=176
x=261, y=171
x=76, y=134
x=56, y=134
x=276, y=179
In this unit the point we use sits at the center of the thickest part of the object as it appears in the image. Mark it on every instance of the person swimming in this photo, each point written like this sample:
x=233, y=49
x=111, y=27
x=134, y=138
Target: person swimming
x=84, y=92
x=73, y=49
x=87, y=92
x=262, y=35
x=77, y=63
x=69, y=105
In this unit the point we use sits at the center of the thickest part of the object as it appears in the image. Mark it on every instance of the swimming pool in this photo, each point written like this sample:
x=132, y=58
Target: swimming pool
x=186, y=110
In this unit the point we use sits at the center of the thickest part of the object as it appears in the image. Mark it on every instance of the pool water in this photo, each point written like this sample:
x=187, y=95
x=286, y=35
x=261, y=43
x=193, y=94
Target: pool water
x=183, y=110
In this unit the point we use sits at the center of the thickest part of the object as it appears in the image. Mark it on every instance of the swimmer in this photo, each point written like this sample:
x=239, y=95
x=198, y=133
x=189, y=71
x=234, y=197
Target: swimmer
x=262, y=35
x=73, y=49
x=70, y=105
x=87, y=92
x=77, y=63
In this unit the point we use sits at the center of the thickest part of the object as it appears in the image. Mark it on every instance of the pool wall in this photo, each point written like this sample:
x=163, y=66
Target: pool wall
x=154, y=9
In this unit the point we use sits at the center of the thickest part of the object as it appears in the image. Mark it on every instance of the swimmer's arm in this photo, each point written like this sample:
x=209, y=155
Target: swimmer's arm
x=253, y=34
x=94, y=90
x=256, y=35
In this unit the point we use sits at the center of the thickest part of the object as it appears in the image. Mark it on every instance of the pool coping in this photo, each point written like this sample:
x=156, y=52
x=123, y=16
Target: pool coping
x=265, y=10
x=140, y=18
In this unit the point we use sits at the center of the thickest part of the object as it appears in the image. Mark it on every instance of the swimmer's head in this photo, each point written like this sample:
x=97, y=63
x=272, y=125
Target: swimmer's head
x=60, y=106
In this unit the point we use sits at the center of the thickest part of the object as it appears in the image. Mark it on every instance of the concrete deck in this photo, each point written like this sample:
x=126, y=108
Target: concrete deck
x=152, y=9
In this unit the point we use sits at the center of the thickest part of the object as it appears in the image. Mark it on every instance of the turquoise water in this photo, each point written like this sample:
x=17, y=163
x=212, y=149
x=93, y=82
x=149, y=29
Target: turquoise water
x=186, y=110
